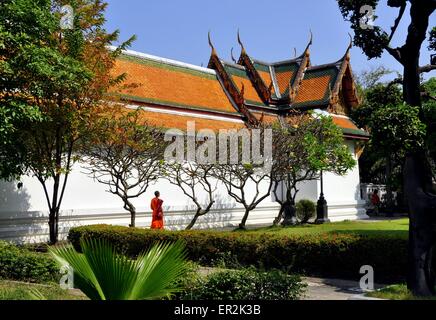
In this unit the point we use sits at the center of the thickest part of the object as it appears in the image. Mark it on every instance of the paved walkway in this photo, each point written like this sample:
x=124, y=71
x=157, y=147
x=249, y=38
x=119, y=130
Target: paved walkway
x=332, y=289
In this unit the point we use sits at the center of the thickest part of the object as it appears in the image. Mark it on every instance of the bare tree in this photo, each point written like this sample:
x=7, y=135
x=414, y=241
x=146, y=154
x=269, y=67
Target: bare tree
x=126, y=155
x=237, y=179
x=242, y=169
x=191, y=178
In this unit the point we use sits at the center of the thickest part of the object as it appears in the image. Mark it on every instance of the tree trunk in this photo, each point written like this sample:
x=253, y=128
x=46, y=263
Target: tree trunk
x=279, y=216
x=53, y=222
x=132, y=219
x=131, y=208
x=421, y=229
x=417, y=173
x=244, y=220
x=290, y=216
x=194, y=219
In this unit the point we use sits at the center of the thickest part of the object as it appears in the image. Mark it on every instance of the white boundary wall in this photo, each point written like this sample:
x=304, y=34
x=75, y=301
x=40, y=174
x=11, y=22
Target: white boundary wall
x=23, y=213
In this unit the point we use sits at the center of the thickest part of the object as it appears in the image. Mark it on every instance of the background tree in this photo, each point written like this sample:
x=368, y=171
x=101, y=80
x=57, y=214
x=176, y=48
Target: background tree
x=125, y=153
x=417, y=170
x=58, y=76
x=302, y=148
x=193, y=178
x=370, y=78
x=381, y=162
x=428, y=90
x=23, y=27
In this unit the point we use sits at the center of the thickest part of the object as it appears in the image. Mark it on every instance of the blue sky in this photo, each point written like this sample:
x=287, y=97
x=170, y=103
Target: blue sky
x=270, y=29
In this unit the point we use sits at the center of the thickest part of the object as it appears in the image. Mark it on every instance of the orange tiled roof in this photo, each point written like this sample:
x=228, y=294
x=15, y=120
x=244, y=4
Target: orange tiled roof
x=344, y=123
x=267, y=79
x=348, y=126
x=176, y=121
x=315, y=86
x=313, y=89
x=283, y=80
x=285, y=73
x=172, y=85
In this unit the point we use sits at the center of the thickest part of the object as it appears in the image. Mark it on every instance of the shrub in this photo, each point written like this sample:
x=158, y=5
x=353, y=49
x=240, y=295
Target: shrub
x=246, y=284
x=20, y=264
x=325, y=255
x=305, y=210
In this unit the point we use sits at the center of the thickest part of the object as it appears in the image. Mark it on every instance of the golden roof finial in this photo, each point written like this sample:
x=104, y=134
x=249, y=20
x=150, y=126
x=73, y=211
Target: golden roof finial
x=311, y=38
x=241, y=44
x=347, y=54
x=310, y=42
x=211, y=45
x=233, y=58
x=351, y=42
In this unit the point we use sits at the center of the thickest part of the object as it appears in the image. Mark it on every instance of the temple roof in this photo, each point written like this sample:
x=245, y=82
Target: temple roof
x=170, y=83
x=229, y=95
x=280, y=74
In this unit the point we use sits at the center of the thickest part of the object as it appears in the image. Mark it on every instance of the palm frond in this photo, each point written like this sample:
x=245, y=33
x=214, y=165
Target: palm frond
x=158, y=270
x=103, y=274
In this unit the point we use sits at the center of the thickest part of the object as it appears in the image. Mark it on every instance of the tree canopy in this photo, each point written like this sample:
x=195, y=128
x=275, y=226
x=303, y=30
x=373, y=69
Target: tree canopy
x=52, y=84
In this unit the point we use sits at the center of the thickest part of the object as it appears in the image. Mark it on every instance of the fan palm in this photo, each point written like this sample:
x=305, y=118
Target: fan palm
x=103, y=274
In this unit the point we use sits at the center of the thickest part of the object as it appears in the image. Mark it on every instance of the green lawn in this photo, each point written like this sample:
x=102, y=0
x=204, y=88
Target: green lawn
x=11, y=290
x=394, y=228
x=396, y=292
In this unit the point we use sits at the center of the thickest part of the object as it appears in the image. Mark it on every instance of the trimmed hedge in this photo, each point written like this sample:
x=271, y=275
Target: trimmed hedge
x=326, y=255
x=20, y=264
x=246, y=284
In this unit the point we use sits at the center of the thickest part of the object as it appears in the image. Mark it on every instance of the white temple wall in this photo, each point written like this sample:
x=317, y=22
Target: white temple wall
x=23, y=213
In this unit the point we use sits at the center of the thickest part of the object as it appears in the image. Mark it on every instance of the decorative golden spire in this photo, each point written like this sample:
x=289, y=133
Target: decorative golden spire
x=214, y=53
x=311, y=38
x=243, y=52
x=306, y=52
x=347, y=54
x=233, y=58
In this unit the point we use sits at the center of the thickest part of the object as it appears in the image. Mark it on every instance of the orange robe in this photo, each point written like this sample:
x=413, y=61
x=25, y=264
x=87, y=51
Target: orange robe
x=157, y=215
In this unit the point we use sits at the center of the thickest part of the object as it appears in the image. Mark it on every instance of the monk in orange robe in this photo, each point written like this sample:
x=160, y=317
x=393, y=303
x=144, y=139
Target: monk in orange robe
x=157, y=216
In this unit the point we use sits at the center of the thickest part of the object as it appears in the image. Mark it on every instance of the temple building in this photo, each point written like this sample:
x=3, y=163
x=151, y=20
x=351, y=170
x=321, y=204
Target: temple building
x=224, y=95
